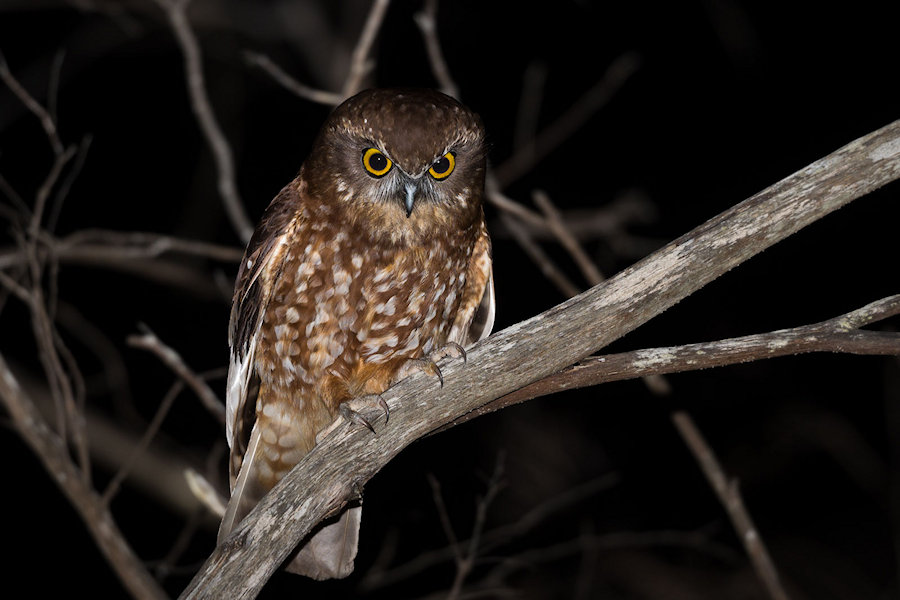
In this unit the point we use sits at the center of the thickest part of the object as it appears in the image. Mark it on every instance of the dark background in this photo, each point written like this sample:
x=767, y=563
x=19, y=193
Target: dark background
x=729, y=98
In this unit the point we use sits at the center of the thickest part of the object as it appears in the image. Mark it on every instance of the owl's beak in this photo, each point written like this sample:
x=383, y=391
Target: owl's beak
x=411, y=188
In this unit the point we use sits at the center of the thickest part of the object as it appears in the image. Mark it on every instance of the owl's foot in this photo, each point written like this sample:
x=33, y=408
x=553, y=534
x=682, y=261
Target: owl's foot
x=352, y=410
x=450, y=349
x=428, y=364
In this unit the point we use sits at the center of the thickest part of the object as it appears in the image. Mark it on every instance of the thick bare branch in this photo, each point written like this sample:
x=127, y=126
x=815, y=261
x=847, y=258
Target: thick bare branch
x=840, y=334
x=508, y=360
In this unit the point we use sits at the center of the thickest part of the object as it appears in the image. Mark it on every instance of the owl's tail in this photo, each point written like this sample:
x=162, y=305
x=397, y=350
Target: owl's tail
x=328, y=553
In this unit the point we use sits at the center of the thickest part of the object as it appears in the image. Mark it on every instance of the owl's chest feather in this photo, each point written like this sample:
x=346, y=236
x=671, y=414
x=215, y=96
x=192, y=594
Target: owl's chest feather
x=342, y=312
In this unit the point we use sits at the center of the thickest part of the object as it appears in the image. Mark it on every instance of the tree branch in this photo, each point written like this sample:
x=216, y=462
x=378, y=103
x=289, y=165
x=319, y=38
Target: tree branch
x=263, y=62
x=93, y=246
x=50, y=449
x=730, y=497
x=176, y=11
x=43, y=115
x=150, y=342
x=537, y=148
x=523, y=353
x=840, y=334
x=359, y=63
x=426, y=20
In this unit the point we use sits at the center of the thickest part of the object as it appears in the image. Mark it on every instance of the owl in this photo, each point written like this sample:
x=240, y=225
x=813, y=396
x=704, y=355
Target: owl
x=371, y=263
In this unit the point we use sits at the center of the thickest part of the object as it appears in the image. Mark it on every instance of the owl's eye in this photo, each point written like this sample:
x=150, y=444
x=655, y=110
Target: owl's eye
x=443, y=166
x=376, y=163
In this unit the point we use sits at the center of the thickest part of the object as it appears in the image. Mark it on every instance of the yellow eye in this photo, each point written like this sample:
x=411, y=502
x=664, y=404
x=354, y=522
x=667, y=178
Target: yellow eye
x=376, y=163
x=443, y=166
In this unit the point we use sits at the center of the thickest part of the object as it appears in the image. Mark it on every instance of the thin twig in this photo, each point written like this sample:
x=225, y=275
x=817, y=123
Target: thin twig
x=149, y=341
x=533, y=80
x=426, y=19
x=554, y=220
x=19, y=204
x=540, y=258
x=359, y=62
x=176, y=11
x=730, y=497
x=261, y=61
x=380, y=576
x=444, y=517
x=43, y=192
x=464, y=564
x=101, y=346
x=167, y=565
x=693, y=540
x=605, y=222
x=31, y=104
x=152, y=429
x=63, y=191
x=53, y=84
x=96, y=245
x=150, y=245
x=508, y=205
x=524, y=158
x=53, y=354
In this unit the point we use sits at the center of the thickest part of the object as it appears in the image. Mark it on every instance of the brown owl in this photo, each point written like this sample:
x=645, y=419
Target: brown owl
x=370, y=264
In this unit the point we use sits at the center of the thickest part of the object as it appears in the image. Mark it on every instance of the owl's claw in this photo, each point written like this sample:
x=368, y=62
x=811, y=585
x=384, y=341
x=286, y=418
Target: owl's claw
x=428, y=364
x=415, y=365
x=355, y=417
x=450, y=349
x=351, y=411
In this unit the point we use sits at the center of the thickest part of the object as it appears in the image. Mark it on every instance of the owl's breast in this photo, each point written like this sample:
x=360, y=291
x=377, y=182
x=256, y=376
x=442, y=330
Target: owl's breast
x=342, y=314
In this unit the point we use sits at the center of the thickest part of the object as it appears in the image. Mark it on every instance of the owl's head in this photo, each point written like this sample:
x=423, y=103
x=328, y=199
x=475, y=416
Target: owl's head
x=405, y=161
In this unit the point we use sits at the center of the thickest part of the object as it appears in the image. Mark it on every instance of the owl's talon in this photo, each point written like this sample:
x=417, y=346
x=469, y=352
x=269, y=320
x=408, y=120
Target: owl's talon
x=416, y=365
x=384, y=406
x=449, y=349
x=354, y=417
x=428, y=364
x=351, y=410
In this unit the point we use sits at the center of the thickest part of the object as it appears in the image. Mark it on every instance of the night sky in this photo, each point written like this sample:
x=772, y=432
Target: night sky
x=727, y=98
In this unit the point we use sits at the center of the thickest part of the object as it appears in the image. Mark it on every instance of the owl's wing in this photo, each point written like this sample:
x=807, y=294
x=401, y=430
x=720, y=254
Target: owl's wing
x=264, y=255
x=475, y=318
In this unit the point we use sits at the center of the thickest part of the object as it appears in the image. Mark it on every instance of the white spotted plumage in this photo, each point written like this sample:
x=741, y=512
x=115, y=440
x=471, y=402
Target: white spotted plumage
x=348, y=279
